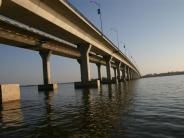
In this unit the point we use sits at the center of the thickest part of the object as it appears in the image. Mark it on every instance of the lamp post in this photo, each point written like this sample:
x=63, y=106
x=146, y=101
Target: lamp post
x=117, y=36
x=99, y=13
x=124, y=46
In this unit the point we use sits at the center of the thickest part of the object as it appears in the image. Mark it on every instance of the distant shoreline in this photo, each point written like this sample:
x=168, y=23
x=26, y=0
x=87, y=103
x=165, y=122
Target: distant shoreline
x=163, y=74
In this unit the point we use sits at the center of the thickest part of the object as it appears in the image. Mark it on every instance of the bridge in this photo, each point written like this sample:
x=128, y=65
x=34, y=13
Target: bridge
x=56, y=27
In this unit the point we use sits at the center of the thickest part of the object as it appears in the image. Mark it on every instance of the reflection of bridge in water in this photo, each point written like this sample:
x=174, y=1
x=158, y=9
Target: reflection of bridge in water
x=70, y=112
x=55, y=27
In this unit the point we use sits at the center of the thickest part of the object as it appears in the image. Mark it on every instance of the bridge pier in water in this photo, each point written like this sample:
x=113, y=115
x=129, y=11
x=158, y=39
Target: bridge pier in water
x=108, y=59
x=118, y=72
x=123, y=77
x=17, y=32
x=85, y=68
x=108, y=67
x=127, y=74
x=99, y=72
x=115, y=80
x=45, y=56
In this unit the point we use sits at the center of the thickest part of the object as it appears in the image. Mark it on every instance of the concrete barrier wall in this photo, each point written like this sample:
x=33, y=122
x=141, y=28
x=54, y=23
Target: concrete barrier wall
x=9, y=92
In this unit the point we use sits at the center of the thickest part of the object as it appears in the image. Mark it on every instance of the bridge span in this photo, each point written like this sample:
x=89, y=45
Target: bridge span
x=56, y=27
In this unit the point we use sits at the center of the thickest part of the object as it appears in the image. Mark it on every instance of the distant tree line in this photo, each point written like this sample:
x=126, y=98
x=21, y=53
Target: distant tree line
x=164, y=74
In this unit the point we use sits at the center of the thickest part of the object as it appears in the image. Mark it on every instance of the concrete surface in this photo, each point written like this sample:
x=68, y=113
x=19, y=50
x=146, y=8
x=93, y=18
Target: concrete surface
x=9, y=92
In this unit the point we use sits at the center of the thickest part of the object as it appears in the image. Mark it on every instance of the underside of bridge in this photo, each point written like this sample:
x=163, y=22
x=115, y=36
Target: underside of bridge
x=55, y=27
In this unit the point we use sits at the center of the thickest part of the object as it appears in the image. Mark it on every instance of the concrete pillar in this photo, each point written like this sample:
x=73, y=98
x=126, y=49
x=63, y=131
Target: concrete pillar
x=99, y=72
x=124, y=73
x=115, y=74
x=128, y=74
x=133, y=75
x=84, y=62
x=45, y=55
x=108, y=67
x=118, y=71
x=85, y=69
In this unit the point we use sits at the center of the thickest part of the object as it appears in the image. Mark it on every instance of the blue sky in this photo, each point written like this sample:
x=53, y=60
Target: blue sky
x=153, y=31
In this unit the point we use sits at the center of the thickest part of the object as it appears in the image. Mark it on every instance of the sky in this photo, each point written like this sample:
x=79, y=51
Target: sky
x=152, y=30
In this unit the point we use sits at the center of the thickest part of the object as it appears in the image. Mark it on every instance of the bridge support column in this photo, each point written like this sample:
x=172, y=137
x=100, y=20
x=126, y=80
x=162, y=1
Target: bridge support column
x=85, y=68
x=118, y=72
x=128, y=74
x=99, y=72
x=123, y=77
x=45, y=55
x=131, y=75
x=124, y=73
x=115, y=75
x=108, y=68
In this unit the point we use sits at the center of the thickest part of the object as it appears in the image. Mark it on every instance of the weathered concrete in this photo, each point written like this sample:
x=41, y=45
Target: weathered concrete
x=128, y=74
x=124, y=74
x=48, y=87
x=99, y=72
x=9, y=92
x=118, y=71
x=85, y=69
x=115, y=79
x=45, y=55
x=84, y=62
x=115, y=74
x=108, y=67
x=88, y=84
x=131, y=75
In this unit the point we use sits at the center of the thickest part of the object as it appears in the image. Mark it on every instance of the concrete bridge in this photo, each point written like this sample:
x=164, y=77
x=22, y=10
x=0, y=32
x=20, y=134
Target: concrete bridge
x=56, y=27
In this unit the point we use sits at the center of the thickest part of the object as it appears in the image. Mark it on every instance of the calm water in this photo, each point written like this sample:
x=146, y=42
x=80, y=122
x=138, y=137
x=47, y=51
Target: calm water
x=143, y=108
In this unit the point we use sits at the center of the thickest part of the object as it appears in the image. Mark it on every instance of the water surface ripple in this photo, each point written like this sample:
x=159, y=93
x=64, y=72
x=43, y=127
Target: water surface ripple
x=145, y=108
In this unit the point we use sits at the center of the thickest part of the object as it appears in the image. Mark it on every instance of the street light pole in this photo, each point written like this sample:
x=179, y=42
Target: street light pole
x=99, y=13
x=117, y=36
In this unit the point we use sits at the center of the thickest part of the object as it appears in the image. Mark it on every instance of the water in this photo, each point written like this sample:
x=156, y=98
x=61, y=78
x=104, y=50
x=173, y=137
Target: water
x=145, y=108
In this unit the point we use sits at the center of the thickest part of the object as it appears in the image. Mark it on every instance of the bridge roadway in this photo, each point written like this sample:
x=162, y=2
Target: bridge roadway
x=56, y=27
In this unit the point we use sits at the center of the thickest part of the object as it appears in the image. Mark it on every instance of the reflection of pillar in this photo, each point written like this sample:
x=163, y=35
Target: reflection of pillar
x=45, y=55
x=11, y=112
x=108, y=67
x=110, y=91
x=118, y=71
x=84, y=62
x=99, y=72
